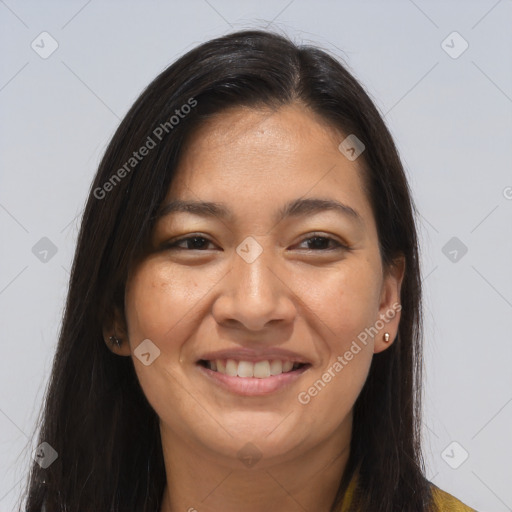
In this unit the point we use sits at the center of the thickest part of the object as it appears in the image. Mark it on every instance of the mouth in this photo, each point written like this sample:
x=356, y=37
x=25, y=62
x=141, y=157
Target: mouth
x=252, y=375
x=263, y=369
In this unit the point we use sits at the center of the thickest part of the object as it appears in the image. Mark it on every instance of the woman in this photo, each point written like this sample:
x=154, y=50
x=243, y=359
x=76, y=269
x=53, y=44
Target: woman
x=243, y=324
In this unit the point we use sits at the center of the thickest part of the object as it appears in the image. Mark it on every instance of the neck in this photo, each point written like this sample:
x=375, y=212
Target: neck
x=201, y=482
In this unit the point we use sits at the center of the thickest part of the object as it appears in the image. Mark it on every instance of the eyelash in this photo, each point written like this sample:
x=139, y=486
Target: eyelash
x=174, y=244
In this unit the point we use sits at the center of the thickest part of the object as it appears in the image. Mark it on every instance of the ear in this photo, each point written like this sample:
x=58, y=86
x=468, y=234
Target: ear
x=115, y=325
x=390, y=307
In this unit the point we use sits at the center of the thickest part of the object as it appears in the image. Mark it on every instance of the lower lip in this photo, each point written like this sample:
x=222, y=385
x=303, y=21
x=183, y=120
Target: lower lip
x=252, y=386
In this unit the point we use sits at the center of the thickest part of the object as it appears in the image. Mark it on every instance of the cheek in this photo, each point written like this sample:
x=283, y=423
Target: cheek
x=157, y=300
x=159, y=305
x=349, y=302
x=345, y=300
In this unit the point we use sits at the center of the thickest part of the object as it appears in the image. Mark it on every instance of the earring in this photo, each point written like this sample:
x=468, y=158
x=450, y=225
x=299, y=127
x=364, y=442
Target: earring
x=114, y=339
x=386, y=337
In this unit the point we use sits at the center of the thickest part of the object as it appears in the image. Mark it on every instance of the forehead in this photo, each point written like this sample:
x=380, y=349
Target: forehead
x=257, y=157
x=269, y=130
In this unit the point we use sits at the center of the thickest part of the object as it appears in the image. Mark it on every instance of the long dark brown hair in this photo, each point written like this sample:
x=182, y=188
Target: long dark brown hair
x=95, y=414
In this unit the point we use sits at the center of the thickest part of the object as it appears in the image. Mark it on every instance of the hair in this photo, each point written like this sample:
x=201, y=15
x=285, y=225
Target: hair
x=95, y=414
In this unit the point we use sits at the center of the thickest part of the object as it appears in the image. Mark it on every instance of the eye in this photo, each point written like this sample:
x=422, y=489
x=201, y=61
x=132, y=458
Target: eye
x=192, y=243
x=321, y=243
x=316, y=243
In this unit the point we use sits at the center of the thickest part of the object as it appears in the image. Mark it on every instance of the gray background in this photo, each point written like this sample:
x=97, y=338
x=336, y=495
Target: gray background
x=451, y=119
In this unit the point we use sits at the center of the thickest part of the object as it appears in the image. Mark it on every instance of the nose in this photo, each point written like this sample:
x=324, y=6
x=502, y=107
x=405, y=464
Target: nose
x=255, y=295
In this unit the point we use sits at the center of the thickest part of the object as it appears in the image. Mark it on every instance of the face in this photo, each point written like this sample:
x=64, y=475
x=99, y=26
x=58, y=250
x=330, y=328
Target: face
x=266, y=317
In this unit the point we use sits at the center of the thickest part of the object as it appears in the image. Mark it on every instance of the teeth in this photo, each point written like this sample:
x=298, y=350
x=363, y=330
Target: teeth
x=245, y=369
x=287, y=366
x=260, y=369
x=231, y=368
x=276, y=367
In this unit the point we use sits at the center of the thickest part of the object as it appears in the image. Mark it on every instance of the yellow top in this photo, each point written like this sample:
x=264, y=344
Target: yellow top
x=444, y=502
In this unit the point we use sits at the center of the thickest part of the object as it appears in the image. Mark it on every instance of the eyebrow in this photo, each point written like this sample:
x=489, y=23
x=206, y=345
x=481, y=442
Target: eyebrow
x=295, y=208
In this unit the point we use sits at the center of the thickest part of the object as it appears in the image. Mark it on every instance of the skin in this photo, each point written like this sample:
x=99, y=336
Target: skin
x=296, y=296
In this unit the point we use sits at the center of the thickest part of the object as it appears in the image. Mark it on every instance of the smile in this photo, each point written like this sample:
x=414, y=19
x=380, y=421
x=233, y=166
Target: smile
x=252, y=378
x=245, y=369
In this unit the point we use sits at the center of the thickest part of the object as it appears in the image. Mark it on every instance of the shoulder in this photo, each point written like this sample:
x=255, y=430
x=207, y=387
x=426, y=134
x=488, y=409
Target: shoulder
x=445, y=501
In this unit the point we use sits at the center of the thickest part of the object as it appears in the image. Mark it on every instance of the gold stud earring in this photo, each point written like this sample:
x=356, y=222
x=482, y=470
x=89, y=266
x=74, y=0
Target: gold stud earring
x=115, y=340
x=386, y=337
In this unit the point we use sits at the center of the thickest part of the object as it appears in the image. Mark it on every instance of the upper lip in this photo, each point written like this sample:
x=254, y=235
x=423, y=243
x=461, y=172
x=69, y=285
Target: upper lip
x=247, y=354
